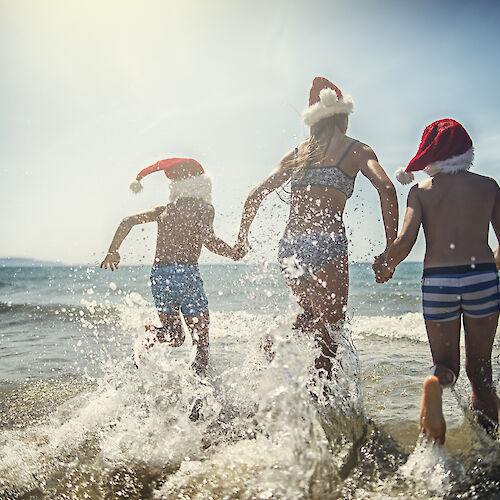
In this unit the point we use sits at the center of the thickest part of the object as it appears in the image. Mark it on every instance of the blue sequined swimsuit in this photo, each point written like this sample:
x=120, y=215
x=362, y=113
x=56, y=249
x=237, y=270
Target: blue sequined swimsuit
x=302, y=255
x=331, y=176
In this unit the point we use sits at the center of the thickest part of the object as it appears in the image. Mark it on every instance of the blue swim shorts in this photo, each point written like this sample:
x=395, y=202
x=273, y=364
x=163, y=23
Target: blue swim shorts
x=178, y=287
x=448, y=292
x=302, y=255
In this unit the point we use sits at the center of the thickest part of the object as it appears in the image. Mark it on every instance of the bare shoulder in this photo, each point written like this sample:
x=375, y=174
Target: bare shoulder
x=363, y=150
x=486, y=181
x=424, y=185
x=289, y=157
x=208, y=211
x=159, y=209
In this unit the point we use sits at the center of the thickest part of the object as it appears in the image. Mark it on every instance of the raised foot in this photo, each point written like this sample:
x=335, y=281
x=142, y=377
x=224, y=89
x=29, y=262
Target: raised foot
x=432, y=422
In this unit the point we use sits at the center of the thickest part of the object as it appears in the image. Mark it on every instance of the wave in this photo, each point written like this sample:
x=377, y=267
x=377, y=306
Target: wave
x=16, y=314
x=409, y=326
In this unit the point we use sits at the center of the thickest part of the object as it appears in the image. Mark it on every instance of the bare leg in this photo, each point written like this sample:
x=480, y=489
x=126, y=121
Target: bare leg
x=444, y=341
x=305, y=320
x=331, y=288
x=327, y=293
x=171, y=331
x=479, y=336
x=198, y=327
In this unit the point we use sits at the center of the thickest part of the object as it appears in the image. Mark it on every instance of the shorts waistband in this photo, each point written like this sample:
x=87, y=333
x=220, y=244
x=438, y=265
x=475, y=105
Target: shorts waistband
x=175, y=269
x=319, y=234
x=466, y=269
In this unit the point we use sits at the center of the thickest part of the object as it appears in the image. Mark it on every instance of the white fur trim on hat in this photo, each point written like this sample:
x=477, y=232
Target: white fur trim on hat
x=328, y=105
x=135, y=186
x=404, y=177
x=199, y=186
x=451, y=165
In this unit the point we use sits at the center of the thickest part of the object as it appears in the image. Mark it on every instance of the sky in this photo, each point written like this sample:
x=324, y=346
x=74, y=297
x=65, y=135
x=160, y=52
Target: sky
x=91, y=92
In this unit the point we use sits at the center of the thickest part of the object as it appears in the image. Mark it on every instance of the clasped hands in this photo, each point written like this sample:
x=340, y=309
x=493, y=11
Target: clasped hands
x=383, y=272
x=241, y=248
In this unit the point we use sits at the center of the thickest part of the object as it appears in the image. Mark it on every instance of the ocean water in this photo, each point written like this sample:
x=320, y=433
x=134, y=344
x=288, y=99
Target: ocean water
x=78, y=420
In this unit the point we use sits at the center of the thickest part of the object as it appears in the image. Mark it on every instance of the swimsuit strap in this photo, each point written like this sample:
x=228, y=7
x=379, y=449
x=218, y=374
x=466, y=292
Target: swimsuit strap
x=342, y=158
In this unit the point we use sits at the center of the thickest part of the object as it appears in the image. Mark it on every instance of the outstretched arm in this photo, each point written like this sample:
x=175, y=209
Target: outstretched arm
x=213, y=242
x=276, y=179
x=112, y=258
x=402, y=245
x=374, y=172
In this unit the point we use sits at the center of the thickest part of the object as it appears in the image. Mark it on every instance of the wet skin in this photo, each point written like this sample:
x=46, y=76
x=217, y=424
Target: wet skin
x=184, y=227
x=455, y=211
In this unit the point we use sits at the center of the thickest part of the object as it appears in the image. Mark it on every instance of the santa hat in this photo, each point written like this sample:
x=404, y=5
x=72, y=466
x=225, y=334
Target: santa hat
x=446, y=147
x=326, y=99
x=189, y=180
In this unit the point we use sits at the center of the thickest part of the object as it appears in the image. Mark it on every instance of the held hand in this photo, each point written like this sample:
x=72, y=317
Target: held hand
x=240, y=250
x=382, y=272
x=112, y=260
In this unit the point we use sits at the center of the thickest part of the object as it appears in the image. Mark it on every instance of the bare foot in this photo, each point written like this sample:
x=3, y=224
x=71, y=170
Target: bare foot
x=432, y=422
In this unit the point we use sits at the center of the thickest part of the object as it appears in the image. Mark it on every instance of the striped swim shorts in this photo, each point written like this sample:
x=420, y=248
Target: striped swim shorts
x=447, y=292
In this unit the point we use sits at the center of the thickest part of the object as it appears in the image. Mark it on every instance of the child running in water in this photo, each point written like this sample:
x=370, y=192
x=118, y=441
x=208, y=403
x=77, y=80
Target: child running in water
x=460, y=280
x=185, y=225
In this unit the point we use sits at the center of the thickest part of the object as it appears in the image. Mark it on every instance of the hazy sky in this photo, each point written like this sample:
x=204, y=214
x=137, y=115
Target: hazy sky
x=91, y=92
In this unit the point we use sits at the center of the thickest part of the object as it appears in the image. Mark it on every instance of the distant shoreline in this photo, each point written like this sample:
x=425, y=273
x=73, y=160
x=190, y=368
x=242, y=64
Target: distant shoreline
x=27, y=262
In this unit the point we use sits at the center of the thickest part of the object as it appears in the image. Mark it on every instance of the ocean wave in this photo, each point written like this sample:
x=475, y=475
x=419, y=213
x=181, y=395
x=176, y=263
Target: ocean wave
x=15, y=313
x=409, y=326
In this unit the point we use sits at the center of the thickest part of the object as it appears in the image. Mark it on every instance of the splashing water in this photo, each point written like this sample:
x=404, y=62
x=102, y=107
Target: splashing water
x=259, y=429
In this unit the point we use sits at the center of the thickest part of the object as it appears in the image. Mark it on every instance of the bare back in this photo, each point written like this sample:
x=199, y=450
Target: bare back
x=456, y=213
x=182, y=228
x=320, y=208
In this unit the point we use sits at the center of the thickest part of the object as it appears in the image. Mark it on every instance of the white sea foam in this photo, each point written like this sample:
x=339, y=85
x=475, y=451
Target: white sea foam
x=409, y=326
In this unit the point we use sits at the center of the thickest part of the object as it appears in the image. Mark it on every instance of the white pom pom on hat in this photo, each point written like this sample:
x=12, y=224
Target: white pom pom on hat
x=445, y=148
x=404, y=177
x=135, y=186
x=328, y=97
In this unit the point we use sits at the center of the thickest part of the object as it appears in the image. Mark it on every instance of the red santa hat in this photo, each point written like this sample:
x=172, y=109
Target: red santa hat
x=326, y=99
x=446, y=147
x=189, y=180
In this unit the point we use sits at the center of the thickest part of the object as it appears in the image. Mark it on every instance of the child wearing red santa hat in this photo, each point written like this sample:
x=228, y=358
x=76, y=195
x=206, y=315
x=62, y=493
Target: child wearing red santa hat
x=460, y=280
x=185, y=225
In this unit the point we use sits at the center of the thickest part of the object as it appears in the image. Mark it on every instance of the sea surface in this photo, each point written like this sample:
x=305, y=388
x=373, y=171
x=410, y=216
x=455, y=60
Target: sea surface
x=78, y=420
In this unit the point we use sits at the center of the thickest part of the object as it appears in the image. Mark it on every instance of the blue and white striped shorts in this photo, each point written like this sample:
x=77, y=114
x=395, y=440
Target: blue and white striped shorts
x=447, y=292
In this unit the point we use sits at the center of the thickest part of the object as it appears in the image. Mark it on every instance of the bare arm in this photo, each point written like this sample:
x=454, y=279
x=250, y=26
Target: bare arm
x=214, y=243
x=112, y=258
x=276, y=179
x=402, y=245
x=374, y=172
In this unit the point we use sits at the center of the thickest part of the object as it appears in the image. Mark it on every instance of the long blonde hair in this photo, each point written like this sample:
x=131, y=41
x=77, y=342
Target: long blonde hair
x=310, y=151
